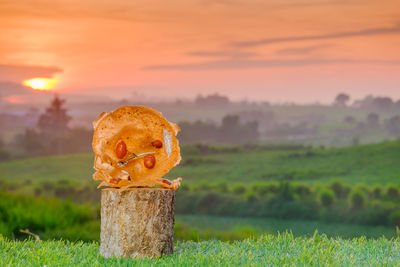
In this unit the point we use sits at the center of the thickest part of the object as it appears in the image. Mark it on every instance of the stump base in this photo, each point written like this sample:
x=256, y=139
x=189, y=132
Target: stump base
x=137, y=222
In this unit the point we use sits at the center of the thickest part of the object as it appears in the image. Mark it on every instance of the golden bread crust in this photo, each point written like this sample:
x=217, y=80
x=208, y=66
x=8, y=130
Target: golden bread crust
x=138, y=127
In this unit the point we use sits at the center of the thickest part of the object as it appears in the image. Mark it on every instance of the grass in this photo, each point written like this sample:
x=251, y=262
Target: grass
x=227, y=228
x=377, y=163
x=265, y=251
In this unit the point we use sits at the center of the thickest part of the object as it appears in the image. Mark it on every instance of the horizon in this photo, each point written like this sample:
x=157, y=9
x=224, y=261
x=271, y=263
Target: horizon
x=40, y=98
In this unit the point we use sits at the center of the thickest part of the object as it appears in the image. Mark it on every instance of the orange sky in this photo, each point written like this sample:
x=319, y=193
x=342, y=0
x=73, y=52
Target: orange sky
x=302, y=51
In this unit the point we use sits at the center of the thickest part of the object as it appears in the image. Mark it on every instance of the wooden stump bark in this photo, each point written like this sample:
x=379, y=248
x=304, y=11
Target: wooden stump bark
x=137, y=222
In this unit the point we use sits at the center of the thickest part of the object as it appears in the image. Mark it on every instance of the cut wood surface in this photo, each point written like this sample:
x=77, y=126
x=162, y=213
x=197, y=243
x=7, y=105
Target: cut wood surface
x=137, y=222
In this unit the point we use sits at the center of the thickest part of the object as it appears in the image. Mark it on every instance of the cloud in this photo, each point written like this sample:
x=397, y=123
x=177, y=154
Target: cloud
x=223, y=53
x=9, y=89
x=302, y=50
x=221, y=2
x=18, y=73
x=252, y=64
x=364, y=32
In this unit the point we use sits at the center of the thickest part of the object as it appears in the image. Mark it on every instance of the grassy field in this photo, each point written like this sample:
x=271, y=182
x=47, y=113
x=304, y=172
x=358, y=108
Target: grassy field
x=370, y=164
x=265, y=251
x=248, y=165
x=228, y=228
x=53, y=218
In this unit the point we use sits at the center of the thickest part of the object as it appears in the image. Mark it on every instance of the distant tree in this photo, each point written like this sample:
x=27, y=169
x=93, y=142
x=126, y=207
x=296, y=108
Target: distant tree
x=229, y=131
x=342, y=99
x=53, y=123
x=238, y=188
x=4, y=155
x=361, y=125
x=357, y=199
x=382, y=103
x=340, y=190
x=212, y=100
x=230, y=122
x=79, y=140
x=350, y=120
x=266, y=119
x=326, y=197
x=376, y=103
x=32, y=142
x=392, y=125
x=392, y=191
x=397, y=105
x=285, y=191
x=376, y=191
x=198, y=132
x=233, y=132
x=366, y=102
x=355, y=141
x=373, y=120
x=250, y=132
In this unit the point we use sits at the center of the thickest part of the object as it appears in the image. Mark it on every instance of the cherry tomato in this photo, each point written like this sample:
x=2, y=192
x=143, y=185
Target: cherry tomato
x=157, y=144
x=120, y=149
x=115, y=180
x=166, y=181
x=149, y=161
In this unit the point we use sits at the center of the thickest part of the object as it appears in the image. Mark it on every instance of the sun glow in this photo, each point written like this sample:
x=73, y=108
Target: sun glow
x=41, y=84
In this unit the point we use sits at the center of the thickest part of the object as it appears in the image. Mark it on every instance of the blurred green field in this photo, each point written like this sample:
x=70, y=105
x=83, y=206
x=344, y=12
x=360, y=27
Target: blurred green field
x=255, y=198
x=53, y=218
x=370, y=164
x=247, y=227
x=282, y=250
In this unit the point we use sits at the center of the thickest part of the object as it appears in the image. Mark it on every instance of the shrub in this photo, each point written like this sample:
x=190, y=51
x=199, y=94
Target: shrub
x=186, y=201
x=238, y=188
x=209, y=202
x=376, y=191
x=203, y=187
x=357, y=199
x=394, y=218
x=63, y=181
x=273, y=187
x=302, y=190
x=362, y=187
x=221, y=187
x=37, y=191
x=184, y=187
x=392, y=191
x=326, y=197
x=263, y=189
x=339, y=189
x=64, y=191
x=256, y=187
x=369, y=216
x=250, y=196
x=285, y=192
x=47, y=185
x=4, y=155
x=48, y=217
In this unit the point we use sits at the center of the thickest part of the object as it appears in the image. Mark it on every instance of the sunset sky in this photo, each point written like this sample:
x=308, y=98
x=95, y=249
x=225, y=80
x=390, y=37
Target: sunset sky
x=301, y=51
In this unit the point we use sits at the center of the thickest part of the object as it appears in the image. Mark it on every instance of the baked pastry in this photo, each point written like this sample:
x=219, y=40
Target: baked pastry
x=135, y=146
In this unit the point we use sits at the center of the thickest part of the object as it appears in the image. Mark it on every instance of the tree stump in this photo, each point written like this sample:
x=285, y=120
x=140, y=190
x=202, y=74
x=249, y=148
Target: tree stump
x=137, y=222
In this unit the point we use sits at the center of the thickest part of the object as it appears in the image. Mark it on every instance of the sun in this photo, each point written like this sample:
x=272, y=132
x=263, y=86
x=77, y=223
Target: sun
x=41, y=84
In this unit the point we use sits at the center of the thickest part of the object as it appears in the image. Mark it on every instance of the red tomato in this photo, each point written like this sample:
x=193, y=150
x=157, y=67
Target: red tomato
x=157, y=144
x=120, y=149
x=149, y=161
